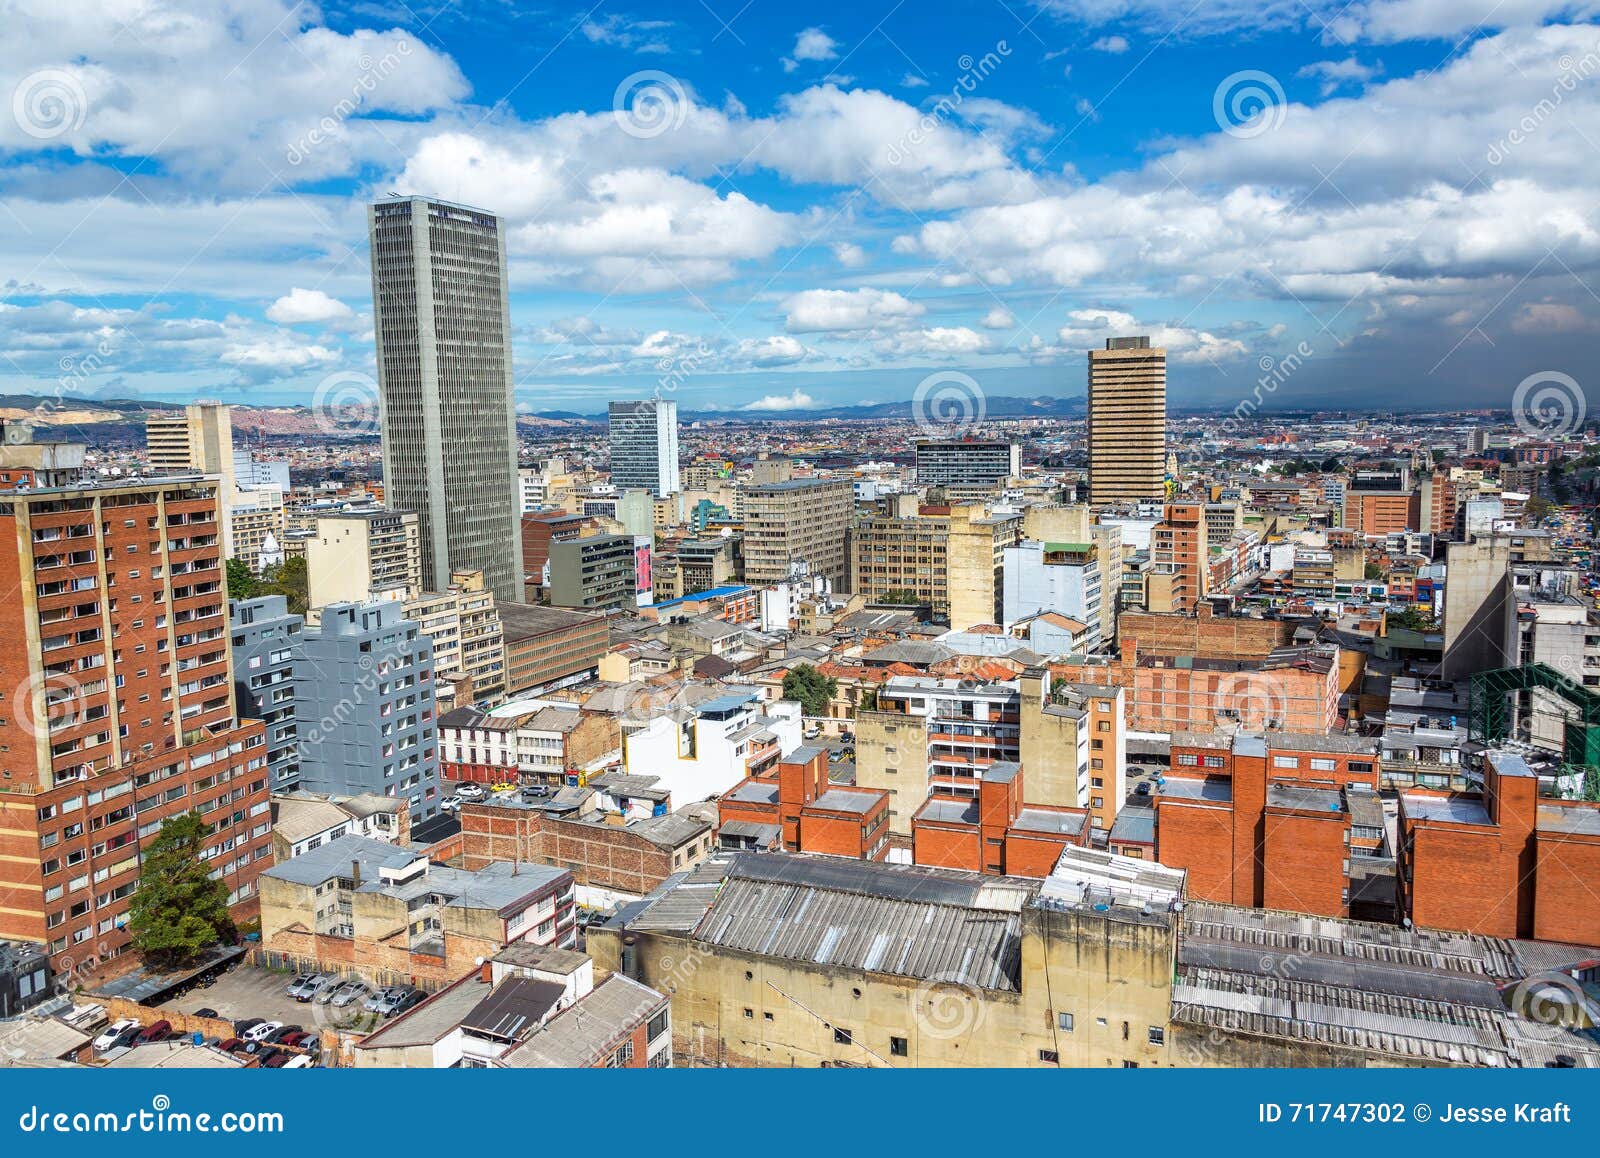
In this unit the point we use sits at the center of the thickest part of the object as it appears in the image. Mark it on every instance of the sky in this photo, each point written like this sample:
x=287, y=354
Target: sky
x=758, y=206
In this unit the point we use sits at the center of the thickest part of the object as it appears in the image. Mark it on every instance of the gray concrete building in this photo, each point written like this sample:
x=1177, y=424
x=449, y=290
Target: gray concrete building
x=266, y=640
x=364, y=707
x=644, y=445
x=443, y=330
x=594, y=573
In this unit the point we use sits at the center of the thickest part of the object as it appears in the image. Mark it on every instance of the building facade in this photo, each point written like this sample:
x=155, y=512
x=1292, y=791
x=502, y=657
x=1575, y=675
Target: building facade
x=442, y=321
x=1127, y=421
x=644, y=445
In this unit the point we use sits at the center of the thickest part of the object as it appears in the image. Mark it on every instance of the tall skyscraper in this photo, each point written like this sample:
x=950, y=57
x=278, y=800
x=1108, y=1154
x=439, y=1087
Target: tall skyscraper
x=444, y=379
x=1127, y=421
x=644, y=445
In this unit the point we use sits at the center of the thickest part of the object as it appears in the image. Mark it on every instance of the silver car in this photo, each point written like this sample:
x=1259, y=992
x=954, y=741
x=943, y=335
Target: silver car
x=347, y=994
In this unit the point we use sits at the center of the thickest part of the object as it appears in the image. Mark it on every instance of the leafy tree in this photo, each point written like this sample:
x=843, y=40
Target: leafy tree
x=241, y=583
x=290, y=580
x=1373, y=571
x=868, y=701
x=900, y=595
x=813, y=689
x=178, y=910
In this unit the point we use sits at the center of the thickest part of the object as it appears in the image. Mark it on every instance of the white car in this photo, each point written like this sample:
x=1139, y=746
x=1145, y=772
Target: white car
x=112, y=1032
x=263, y=1031
x=450, y=804
x=470, y=791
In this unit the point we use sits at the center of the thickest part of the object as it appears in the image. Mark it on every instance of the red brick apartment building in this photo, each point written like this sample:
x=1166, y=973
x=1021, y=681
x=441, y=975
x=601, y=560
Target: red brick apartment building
x=1269, y=821
x=996, y=833
x=1504, y=862
x=796, y=809
x=116, y=698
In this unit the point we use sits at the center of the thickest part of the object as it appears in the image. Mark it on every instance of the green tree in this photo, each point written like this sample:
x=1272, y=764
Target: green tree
x=813, y=689
x=290, y=580
x=178, y=910
x=241, y=583
x=900, y=595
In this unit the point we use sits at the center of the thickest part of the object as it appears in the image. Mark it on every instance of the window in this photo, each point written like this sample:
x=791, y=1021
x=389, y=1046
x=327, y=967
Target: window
x=1158, y=1035
x=1323, y=764
x=1286, y=761
x=1064, y=1022
x=897, y=1047
x=841, y=1036
x=657, y=1026
x=1050, y=1057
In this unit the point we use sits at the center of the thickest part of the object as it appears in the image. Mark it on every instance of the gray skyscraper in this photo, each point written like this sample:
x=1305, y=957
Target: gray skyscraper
x=444, y=379
x=644, y=445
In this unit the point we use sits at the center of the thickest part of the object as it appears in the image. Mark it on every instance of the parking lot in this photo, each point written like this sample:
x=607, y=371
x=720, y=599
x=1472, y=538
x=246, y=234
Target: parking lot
x=249, y=991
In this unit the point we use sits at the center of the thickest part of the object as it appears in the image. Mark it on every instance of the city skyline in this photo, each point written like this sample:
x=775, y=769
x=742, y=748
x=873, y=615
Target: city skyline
x=772, y=215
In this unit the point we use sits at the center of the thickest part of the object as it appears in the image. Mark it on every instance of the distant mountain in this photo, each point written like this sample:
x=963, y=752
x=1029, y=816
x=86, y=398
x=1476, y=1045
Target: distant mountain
x=998, y=406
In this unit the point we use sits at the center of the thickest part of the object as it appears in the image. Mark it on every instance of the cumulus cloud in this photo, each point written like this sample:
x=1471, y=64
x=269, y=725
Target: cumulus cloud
x=815, y=44
x=1115, y=45
x=999, y=318
x=303, y=305
x=795, y=400
x=819, y=310
x=1336, y=74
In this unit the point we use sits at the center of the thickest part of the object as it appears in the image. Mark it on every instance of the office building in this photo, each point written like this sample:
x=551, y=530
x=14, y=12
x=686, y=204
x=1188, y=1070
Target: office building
x=364, y=707
x=464, y=625
x=800, y=521
x=443, y=329
x=197, y=441
x=119, y=705
x=644, y=445
x=1127, y=421
x=547, y=647
x=356, y=553
x=969, y=461
x=594, y=573
x=265, y=641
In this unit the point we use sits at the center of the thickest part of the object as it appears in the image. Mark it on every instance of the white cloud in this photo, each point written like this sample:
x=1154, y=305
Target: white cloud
x=936, y=342
x=999, y=318
x=843, y=311
x=303, y=305
x=797, y=400
x=1115, y=45
x=815, y=44
x=912, y=80
x=764, y=353
x=1335, y=74
x=849, y=255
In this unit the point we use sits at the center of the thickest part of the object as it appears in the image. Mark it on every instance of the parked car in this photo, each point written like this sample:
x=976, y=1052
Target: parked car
x=158, y=1031
x=261, y=1031
x=315, y=986
x=113, y=1031
x=127, y=1037
x=395, y=999
x=205, y=1011
x=450, y=804
x=348, y=994
x=241, y=1028
x=276, y=1036
x=306, y=983
x=300, y=1062
x=503, y=786
x=535, y=792
x=228, y=1045
x=295, y=1038
x=470, y=791
x=277, y=1060
x=1142, y=788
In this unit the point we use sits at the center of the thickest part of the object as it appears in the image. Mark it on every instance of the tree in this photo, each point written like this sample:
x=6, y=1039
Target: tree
x=1412, y=618
x=903, y=596
x=813, y=689
x=241, y=583
x=290, y=580
x=178, y=910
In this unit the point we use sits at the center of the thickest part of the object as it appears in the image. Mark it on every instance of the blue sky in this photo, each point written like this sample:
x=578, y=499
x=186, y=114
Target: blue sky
x=771, y=205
